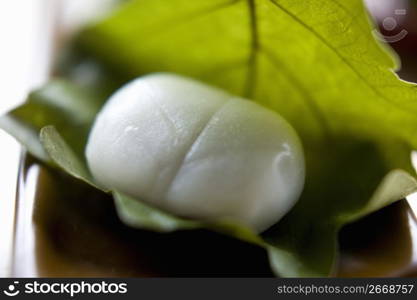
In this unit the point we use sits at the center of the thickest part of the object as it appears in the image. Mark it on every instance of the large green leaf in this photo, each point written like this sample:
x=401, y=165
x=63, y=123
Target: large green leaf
x=140, y=215
x=63, y=155
x=68, y=107
x=314, y=61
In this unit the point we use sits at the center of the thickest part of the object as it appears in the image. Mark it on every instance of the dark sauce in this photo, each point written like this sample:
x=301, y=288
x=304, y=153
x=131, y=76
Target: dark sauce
x=67, y=229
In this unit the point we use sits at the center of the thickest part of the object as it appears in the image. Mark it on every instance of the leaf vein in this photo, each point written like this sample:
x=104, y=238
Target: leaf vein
x=341, y=57
x=254, y=46
x=308, y=99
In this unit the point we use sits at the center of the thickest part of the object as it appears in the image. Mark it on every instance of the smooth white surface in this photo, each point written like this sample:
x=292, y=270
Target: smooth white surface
x=24, y=61
x=197, y=152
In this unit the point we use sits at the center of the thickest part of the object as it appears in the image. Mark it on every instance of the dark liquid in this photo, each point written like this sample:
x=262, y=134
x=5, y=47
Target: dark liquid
x=65, y=228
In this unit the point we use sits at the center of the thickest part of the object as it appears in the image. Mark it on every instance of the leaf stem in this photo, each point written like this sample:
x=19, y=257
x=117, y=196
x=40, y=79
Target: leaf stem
x=254, y=47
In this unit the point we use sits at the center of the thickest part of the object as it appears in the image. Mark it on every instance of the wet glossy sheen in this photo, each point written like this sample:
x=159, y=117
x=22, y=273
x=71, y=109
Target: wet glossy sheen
x=65, y=230
x=197, y=152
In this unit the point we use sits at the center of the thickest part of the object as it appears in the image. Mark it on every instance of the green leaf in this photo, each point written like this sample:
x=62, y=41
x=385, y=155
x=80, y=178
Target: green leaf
x=396, y=185
x=63, y=155
x=140, y=215
x=66, y=106
x=313, y=61
x=58, y=106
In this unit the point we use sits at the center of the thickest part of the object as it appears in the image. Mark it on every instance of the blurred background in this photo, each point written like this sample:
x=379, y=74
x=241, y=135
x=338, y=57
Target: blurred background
x=32, y=30
x=397, y=21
